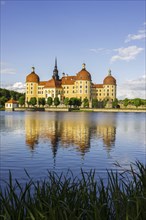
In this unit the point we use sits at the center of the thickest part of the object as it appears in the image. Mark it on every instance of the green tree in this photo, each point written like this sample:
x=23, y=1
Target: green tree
x=49, y=101
x=41, y=101
x=3, y=99
x=78, y=102
x=66, y=101
x=125, y=102
x=137, y=102
x=115, y=103
x=33, y=101
x=94, y=103
x=22, y=100
x=56, y=101
x=75, y=102
x=86, y=102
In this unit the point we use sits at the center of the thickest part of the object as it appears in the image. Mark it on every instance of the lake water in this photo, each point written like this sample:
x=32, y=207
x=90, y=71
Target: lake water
x=41, y=141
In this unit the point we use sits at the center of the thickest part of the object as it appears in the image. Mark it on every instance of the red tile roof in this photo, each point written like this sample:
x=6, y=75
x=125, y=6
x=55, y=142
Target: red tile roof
x=68, y=80
x=98, y=85
x=12, y=101
x=52, y=83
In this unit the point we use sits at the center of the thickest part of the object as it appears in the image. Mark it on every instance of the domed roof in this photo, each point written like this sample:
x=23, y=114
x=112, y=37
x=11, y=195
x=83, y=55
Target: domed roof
x=32, y=77
x=109, y=80
x=83, y=74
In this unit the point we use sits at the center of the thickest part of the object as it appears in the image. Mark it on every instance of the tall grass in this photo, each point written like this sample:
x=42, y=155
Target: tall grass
x=63, y=197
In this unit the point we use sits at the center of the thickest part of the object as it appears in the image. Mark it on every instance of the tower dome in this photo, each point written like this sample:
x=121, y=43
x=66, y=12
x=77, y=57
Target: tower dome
x=32, y=77
x=83, y=74
x=109, y=80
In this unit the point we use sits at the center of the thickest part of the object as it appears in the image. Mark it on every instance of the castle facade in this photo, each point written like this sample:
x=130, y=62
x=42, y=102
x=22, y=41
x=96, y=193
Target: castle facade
x=78, y=86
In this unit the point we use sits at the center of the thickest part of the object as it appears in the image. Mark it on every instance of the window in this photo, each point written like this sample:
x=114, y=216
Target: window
x=80, y=86
x=85, y=91
x=86, y=86
x=107, y=94
x=80, y=91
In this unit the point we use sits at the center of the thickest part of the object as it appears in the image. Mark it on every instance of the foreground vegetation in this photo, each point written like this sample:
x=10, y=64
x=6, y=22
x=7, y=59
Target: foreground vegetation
x=66, y=197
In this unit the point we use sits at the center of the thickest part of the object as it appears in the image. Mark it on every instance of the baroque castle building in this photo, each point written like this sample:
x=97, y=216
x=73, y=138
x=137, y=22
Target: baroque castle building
x=78, y=86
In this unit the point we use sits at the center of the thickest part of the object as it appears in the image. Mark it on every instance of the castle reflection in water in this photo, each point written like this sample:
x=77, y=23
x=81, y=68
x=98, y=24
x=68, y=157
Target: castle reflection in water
x=70, y=130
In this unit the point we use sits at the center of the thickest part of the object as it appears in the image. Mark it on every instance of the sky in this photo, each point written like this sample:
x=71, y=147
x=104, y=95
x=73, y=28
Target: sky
x=102, y=34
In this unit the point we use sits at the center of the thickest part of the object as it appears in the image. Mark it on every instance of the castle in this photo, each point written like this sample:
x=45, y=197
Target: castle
x=78, y=86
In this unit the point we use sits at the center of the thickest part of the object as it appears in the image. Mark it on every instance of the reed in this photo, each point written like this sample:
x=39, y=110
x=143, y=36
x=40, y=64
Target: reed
x=65, y=197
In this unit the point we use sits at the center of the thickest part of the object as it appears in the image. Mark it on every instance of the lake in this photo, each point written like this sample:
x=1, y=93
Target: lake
x=41, y=141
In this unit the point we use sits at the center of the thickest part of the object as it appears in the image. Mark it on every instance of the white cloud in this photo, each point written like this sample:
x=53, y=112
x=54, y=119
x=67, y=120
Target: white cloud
x=17, y=86
x=135, y=88
x=139, y=36
x=5, y=69
x=100, y=50
x=127, y=53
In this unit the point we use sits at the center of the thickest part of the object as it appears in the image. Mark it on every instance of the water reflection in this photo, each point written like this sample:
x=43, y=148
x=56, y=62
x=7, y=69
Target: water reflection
x=66, y=130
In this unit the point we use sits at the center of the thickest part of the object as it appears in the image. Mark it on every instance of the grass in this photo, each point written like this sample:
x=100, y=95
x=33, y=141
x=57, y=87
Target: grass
x=63, y=197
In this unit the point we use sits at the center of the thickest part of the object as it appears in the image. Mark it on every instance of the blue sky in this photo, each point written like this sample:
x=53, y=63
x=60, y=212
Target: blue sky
x=102, y=34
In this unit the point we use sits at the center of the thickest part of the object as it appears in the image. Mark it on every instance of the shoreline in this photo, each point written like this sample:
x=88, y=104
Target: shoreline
x=78, y=110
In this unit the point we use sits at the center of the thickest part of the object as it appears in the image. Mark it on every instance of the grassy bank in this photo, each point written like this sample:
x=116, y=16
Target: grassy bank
x=62, y=197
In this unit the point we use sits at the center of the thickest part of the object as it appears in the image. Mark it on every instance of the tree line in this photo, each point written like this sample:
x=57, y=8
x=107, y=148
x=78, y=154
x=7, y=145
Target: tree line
x=6, y=95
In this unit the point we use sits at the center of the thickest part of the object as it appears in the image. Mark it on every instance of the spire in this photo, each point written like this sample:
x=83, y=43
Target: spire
x=55, y=62
x=55, y=71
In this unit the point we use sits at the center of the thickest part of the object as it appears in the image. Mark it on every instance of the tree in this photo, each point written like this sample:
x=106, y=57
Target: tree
x=49, y=101
x=22, y=100
x=137, y=102
x=86, y=102
x=33, y=101
x=115, y=103
x=125, y=102
x=78, y=102
x=94, y=103
x=66, y=101
x=3, y=100
x=41, y=101
x=56, y=101
x=75, y=102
